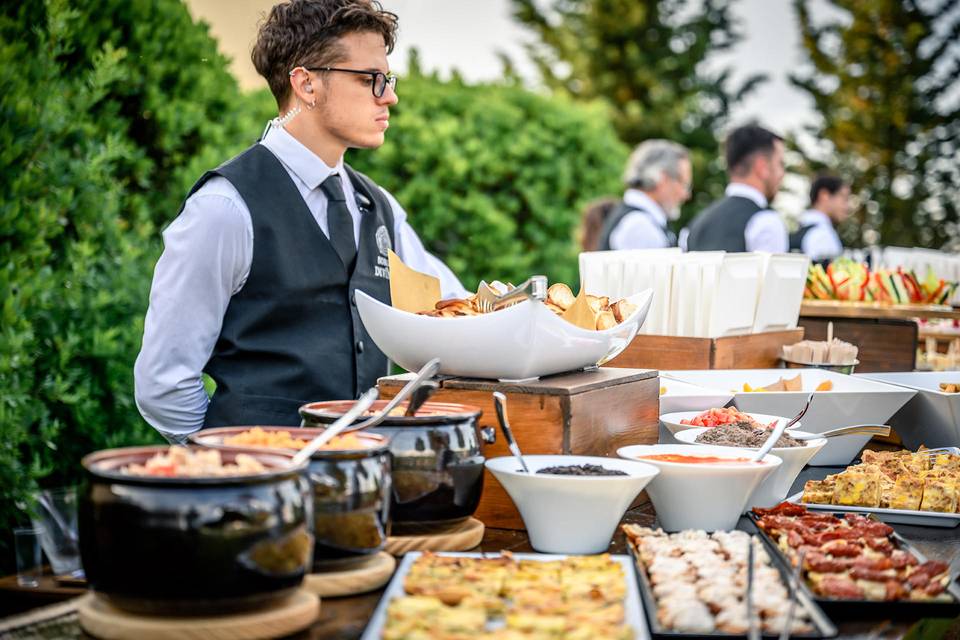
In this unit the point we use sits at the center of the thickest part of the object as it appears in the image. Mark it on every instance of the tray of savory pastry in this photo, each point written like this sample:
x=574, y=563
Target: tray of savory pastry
x=920, y=488
x=693, y=585
x=510, y=596
x=856, y=566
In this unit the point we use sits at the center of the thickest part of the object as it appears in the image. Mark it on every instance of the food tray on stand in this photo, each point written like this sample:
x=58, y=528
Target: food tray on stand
x=897, y=516
x=825, y=628
x=839, y=609
x=633, y=607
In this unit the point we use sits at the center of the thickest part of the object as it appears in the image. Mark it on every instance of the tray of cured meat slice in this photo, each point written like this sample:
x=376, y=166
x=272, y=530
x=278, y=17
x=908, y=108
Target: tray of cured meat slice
x=856, y=566
x=693, y=586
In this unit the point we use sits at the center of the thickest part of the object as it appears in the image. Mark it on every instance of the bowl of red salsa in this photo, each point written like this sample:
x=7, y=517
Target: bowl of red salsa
x=700, y=487
x=683, y=420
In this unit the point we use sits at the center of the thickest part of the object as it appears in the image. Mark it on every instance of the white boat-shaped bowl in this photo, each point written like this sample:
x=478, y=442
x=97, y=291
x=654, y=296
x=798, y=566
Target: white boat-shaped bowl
x=853, y=400
x=521, y=342
x=776, y=487
x=700, y=496
x=930, y=418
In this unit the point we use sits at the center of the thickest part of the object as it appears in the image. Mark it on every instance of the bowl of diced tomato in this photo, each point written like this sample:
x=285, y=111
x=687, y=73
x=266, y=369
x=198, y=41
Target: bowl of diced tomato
x=683, y=420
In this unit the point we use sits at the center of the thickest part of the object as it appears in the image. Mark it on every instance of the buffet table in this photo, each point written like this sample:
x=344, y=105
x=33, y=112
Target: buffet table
x=346, y=618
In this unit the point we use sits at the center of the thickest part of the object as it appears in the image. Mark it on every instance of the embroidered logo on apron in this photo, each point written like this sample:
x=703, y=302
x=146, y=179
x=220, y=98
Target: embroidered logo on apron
x=383, y=240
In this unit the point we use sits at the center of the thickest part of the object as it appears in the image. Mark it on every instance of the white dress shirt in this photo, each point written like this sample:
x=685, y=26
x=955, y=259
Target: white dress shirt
x=765, y=231
x=821, y=242
x=640, y=229
x=208, y=250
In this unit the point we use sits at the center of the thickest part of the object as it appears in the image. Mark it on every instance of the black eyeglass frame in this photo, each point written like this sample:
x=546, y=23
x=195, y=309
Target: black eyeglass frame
x=379, y=78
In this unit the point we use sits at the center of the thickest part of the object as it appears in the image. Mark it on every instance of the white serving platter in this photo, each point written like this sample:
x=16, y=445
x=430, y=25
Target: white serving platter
x=852, y=401
x=930, y=418
x=781, y=293
x=896, y=516
x=521, y=342
x=633, y=607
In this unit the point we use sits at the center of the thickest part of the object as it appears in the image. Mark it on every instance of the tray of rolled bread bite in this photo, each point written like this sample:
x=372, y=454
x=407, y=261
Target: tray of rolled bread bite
x=528, y=339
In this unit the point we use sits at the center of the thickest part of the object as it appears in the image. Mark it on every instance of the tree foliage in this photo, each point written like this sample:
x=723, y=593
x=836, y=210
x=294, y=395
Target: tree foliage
x=107, y=108
x=493, y=177
x=884, y=82
x=650, y=62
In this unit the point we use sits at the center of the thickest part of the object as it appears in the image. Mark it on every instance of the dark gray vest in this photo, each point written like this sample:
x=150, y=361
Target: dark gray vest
x=292, y=334
x=721, y=226
x=619, y=213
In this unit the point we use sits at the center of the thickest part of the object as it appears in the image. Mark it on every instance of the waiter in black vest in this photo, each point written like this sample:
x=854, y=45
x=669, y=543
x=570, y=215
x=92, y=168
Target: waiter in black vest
x=657, y=177
x=256, y=283
x=742, y=219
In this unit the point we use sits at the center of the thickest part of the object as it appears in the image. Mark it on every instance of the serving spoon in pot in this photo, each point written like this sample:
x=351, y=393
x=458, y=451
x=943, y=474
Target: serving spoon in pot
x=339, y=426
x=426, y=372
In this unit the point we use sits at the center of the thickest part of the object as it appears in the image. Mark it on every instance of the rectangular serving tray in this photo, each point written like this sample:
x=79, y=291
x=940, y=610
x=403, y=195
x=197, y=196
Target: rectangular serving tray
x=839, y=609
x=633, y=607
x=825, y=628
x=897, y=516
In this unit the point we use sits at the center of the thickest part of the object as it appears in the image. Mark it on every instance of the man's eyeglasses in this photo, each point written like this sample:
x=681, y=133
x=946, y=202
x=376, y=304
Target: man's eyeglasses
x=380, y=80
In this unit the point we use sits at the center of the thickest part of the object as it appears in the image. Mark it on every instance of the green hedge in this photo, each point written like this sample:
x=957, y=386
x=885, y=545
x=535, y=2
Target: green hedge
x=110, y=110
x=107, y=108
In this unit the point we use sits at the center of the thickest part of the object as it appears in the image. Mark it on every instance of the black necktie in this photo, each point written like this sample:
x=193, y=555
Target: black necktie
x=339, y=221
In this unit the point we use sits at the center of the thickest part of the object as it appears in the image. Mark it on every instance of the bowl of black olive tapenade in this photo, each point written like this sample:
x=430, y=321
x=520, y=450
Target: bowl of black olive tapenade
x=571, y=504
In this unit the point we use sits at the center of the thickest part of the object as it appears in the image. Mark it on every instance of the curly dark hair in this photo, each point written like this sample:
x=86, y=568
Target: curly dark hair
x=307, y=32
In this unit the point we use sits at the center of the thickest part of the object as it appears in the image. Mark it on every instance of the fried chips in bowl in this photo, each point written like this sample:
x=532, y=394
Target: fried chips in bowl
x=560, y=300
x=527, y=340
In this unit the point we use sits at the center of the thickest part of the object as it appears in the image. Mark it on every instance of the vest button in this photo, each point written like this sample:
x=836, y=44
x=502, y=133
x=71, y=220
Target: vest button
x=359, y=346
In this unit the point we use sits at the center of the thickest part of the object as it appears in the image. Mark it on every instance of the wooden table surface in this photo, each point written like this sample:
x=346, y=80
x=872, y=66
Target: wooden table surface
x=346, y=618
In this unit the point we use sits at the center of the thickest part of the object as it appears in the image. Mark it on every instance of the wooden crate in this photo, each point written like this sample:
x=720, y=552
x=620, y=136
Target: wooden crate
x=751, y=351
x=586, y=413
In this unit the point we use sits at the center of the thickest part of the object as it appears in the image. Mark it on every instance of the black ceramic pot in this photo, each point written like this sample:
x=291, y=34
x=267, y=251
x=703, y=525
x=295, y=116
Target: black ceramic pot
x=351, y=495
x=436, y=459
x=193, y=545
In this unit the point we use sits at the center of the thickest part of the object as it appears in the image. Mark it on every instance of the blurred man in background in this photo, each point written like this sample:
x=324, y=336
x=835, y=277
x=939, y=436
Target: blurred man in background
x=829, y=206
x=742, y=219
x=657, y=178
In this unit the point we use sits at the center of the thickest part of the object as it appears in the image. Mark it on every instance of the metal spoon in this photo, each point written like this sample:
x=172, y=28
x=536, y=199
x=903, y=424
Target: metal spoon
x=859, y=429
x=426, y=371
x=771, y=440
x=500, y=403
x=337, y=427
x=795, y=419
x=421, y=395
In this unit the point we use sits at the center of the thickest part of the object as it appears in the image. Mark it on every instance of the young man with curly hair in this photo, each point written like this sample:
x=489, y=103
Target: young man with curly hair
x=256, y=285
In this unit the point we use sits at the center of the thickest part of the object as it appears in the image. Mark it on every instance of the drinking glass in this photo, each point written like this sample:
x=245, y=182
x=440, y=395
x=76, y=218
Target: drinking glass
x=27, y=548
x=56, y=518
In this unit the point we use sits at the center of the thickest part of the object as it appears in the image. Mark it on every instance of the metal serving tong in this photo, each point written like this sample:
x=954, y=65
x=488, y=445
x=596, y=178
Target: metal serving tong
x=857, y=429
x=535, y=288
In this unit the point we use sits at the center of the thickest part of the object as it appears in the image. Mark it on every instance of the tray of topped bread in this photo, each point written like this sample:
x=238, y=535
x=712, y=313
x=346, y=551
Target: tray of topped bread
x=510, y=595
x=919, y=488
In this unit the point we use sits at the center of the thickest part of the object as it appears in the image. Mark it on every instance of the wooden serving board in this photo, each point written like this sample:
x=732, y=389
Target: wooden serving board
x=845, y=309
x=368, y=576
x=293, y=614
x=461, y=537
